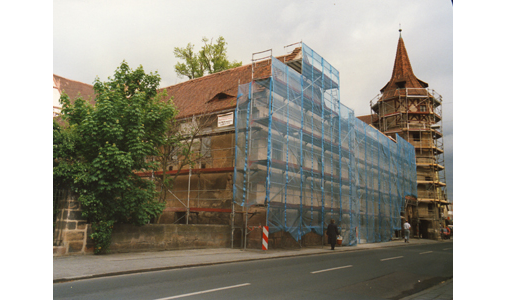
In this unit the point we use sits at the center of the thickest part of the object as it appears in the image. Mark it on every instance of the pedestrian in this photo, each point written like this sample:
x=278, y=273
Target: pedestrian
x=406, y=227
x=332, y=234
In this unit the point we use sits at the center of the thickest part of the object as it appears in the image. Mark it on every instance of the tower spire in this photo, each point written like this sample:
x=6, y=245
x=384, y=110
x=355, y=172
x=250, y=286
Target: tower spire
x=403, y=76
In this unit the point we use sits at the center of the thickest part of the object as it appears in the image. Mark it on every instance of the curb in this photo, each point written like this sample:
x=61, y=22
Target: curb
x=428, y=290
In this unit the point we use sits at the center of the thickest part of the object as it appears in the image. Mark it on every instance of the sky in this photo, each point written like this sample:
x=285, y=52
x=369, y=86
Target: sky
x=359, y=38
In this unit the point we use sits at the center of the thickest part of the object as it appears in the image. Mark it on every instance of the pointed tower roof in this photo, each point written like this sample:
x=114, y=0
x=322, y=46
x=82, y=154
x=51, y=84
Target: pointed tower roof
x=403, y=76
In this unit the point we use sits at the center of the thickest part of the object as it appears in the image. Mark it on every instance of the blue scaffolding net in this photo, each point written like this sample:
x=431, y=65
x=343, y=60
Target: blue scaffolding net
x=304, y=156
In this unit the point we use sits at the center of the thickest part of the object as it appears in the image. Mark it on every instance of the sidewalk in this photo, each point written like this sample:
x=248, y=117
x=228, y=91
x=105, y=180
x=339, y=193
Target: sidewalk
x=68, y=268
x=442, y=291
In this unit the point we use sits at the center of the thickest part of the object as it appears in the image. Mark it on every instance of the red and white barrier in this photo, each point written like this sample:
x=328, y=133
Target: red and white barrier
x=265, y=234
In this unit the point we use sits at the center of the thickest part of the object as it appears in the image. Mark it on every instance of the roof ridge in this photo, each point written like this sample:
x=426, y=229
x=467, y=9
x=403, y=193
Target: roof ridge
x=205, y=77
x=224, y=71
x=72, y=80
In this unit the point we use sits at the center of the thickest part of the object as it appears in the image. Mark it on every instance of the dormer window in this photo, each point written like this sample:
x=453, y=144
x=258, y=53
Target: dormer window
x=222, y=96
x=400, y=85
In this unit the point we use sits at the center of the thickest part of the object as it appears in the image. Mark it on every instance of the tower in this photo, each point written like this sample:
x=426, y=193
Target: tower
x=407, y=107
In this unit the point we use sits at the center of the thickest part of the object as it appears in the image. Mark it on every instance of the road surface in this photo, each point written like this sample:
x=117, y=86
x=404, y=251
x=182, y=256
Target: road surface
x=387, y=273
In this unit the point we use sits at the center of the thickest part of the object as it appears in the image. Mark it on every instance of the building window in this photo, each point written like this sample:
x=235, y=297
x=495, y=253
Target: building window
x=277, y=153
x=206, y=147
x=423, y=108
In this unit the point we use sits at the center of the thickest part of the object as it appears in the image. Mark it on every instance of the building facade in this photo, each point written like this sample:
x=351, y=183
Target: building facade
x=303, y=156
x=274, y=146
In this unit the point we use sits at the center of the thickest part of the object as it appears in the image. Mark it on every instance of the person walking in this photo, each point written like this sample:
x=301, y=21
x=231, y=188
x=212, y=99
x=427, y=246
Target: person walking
x=406, y=227
x=332, y=234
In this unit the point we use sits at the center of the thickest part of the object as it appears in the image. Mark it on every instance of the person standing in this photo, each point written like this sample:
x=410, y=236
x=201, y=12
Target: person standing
x=406, y=227
x=332, y=234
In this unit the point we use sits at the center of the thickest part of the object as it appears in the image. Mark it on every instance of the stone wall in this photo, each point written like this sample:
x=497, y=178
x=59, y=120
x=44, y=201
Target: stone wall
x=156, y=237
x=71, y=230
x=72, y=234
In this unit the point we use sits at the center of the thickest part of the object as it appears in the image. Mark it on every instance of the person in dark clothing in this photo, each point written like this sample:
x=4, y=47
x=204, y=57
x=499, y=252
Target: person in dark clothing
x=332, y=233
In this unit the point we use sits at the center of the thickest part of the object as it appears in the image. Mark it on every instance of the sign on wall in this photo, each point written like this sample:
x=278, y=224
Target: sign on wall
x=226, y=119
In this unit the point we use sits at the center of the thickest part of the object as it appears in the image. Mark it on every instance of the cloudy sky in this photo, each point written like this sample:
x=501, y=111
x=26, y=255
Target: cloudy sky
x=359, y=38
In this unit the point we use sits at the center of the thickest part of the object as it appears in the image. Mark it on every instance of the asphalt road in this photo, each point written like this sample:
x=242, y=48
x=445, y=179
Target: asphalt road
x=387, y=273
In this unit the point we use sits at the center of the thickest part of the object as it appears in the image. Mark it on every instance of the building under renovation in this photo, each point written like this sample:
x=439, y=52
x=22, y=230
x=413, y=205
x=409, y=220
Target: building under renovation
x=276, y=147
x=303, y=156
x=406, y=107
x=272, y=144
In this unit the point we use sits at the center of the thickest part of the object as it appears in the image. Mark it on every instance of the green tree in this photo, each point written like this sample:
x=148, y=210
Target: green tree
x=182, y=148
x=212, y=58
x=104, y=145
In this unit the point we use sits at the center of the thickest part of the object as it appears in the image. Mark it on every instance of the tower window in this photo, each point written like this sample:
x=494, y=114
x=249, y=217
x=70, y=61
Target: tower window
x=400, y=85
x=423, y=108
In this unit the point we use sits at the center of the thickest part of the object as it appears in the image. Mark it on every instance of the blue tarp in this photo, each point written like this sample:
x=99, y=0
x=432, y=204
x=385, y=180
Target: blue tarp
x=304, y=155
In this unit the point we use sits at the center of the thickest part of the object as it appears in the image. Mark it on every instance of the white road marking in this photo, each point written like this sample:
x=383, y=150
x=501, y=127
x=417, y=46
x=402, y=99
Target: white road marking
x=426, y=252
x=320, y=271
x=447, y=249
x=391, y=258
x=204, y=292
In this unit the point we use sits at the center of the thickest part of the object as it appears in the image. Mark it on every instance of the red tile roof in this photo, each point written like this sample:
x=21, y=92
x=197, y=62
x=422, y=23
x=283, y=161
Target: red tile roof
x=368, y=119
x=74, y=88
x=402, y=71
x=218, y=91
x=208, y=93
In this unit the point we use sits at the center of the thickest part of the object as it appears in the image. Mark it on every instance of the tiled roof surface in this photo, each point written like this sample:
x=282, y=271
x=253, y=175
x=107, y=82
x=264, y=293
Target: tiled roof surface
x=402, y=71
x=74, y=88
x=216, y=92
x=208, y=93
x=368, y=119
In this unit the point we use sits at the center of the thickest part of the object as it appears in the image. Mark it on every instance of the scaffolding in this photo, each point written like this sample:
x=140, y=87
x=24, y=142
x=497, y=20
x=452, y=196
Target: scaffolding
x=416, y=114
x=202, y=190
x=304, y=157
x=201, y=184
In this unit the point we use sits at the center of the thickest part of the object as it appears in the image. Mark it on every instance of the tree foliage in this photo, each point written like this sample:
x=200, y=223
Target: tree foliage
x=212, y=58
x=179, y=149
x=104, y=145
